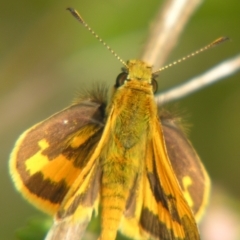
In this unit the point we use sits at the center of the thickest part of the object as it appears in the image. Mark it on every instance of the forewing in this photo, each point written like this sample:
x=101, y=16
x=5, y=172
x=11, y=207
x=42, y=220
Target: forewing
x=48, y=158
x=165, y=213
x=130, y=221
x=82, y=199
x=190, y=172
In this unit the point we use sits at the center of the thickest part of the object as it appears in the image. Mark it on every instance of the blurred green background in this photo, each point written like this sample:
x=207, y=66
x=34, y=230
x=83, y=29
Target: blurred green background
x=46, y=57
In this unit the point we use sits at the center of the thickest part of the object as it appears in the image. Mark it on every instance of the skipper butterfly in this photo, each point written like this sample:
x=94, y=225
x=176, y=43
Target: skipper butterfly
x=121, y=154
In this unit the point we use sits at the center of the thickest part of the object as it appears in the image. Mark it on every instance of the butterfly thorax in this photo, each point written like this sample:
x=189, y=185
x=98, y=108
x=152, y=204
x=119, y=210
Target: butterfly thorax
x=133, y=106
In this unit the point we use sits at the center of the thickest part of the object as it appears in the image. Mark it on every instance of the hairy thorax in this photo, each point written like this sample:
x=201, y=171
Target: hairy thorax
x=133, y=105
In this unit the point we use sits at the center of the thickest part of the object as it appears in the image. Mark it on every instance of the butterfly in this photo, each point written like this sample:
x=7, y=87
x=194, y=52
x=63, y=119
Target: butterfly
x=121, y=155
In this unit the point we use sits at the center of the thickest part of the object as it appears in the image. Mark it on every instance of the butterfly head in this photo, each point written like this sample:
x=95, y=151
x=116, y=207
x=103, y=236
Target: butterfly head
x=137, y=71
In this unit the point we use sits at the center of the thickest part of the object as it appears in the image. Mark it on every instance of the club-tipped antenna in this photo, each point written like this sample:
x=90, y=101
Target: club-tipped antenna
x=80, y=19
x=213, y=44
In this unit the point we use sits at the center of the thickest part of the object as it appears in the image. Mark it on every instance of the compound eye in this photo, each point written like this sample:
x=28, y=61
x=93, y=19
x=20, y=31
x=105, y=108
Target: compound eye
x=154, y=85
x=121, y=79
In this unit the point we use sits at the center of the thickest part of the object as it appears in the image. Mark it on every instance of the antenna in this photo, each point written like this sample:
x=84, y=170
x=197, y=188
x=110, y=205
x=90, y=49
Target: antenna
x=80, y=19
x=211, y=45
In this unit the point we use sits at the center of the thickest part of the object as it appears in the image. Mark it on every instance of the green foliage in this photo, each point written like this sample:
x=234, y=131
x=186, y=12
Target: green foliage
x=35, y=228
